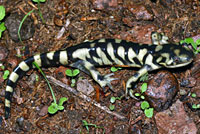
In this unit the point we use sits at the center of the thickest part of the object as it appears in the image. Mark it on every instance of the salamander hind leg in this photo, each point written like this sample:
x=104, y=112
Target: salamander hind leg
x=132, y=80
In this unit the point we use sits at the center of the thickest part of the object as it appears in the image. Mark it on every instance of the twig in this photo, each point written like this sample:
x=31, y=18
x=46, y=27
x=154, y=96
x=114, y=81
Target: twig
x=79, y=94
x=61, y=32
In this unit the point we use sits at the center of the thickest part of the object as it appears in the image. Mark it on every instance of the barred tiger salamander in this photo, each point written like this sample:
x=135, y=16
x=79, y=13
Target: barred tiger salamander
x=88, y=55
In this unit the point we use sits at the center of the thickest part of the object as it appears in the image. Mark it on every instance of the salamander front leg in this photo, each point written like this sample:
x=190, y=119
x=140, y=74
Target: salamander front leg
x=131, y=81
x=90, y=69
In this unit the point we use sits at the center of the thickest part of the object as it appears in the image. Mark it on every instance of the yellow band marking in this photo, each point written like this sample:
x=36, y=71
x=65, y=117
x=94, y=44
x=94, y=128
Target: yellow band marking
x=13, y=77
x=24, y=66
x=102, y=40
x=81, y=53
x=118, y=41
x=7, y=103
x=50, y=55
x=37, y=59
x=131, y=55
x=9, y=89
x=121, y=52
x=63, y=58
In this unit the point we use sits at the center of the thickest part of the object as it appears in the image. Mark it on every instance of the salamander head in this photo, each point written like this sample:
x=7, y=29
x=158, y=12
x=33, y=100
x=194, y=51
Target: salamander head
x=174, y=56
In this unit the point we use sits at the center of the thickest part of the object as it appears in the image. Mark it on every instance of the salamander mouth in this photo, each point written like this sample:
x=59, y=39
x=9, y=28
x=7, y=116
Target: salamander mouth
x=181, y=64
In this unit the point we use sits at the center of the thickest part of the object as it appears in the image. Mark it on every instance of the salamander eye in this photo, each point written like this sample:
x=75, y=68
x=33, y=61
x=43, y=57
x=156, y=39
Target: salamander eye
x=176, y=59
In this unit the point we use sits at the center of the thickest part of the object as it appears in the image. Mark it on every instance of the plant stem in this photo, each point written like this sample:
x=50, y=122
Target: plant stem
x=40, y=13
x=20, y=25
x=54, y=98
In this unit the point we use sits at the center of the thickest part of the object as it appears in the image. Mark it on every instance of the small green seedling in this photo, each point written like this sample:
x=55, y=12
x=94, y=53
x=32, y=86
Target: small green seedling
x=112, y=100
x=114, y=69
x=72, y=73
x=6, y=74
x=147, y=111
x=193, y=95
x=39, y=10
x=196, y=106
x=195, y=44
x=142, y=90
x=54, y=107
x=86, y=125
x=2, y=15
x=145, y=105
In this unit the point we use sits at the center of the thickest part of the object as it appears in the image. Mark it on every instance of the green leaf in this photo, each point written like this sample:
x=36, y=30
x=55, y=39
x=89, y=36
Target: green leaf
x=62, y=100
x=69, y=72
x=188, y=40
x=60, y=107
x=85, y=124
x=194, y=106
x=73, y=81
x=144, y=105
x=142, y=97
x=6, y=74
x=2, y=27
x=112, y=107
x=36, y=77
x=76, y=72
x=198, y=42
x=112, y=99
x=2, y=12
x=143, y=87
x=114, y=69
x=53, y=108
x=137, y=94
x=193, y=95
x=149, y=112
x=2, y=67
x=38, y=0
x=198, y=105
x=72, y=84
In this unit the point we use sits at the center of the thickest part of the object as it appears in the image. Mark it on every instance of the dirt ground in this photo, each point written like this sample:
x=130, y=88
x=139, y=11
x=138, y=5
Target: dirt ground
x=70, y=22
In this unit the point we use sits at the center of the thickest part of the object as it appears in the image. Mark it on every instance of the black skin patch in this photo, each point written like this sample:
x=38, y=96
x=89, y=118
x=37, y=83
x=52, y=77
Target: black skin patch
x=8, y=95
x=12, y=84
x=7, y=112
x=29, y=61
